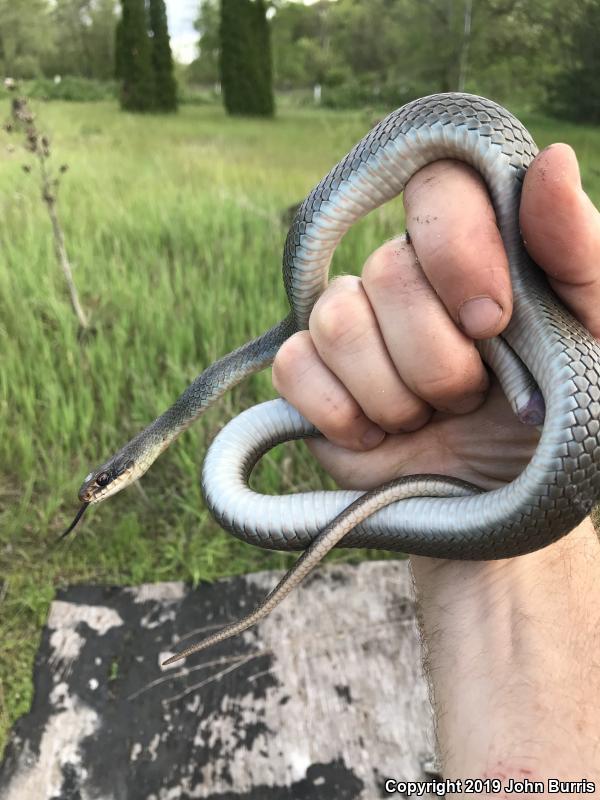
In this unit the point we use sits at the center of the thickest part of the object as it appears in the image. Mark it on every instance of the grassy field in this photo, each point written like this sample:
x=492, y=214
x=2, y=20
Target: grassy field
x=174, y=227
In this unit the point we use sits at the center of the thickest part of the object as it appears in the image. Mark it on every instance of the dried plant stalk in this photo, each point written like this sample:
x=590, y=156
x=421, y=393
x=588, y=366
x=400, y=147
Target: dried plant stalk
x=23, y=119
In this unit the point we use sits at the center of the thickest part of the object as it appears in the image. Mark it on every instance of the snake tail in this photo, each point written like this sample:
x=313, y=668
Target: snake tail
x=362, y=508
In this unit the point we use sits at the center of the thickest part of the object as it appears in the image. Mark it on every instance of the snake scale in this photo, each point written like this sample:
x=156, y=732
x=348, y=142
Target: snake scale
x=547, y=363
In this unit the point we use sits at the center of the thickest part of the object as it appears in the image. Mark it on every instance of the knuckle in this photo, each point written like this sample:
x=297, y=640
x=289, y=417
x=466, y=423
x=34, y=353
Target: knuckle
x=393, y=268
x=446, y=386
x=439, y=174
x=340, y=418
x=336, y=314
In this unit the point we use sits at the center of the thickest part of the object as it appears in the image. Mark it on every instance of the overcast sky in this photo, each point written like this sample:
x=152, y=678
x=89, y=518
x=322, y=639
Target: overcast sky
x=184, y=38
x=182, y=14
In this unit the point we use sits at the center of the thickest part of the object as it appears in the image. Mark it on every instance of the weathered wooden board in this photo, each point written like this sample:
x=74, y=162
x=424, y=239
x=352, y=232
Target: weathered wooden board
x=322, y=701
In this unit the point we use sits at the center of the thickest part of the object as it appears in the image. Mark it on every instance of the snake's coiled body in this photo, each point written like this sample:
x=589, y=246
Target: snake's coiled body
x=544, y=358
x=562, y=481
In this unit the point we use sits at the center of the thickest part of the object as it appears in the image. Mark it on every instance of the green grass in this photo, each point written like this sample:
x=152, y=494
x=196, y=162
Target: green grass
x=174, y=228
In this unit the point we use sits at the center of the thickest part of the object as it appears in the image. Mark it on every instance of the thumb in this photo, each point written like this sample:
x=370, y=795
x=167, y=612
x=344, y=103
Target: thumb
x=561, y=230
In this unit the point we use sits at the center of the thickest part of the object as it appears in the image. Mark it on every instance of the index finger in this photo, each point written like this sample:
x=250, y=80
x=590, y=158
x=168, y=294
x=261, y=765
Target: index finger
x=452, y=225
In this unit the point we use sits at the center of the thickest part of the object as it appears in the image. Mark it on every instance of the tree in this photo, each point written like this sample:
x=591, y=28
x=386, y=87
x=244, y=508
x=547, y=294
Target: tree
x=234, y=69
x=71, y=56
x=134, y=58
x=302, y=52
x=205, y=68
x=84, y=38
x=245, y=58
x=101, y=35
x=25, y=38
x=119, y=51
x=260, y=45
x=165, y=88
x=575, y=91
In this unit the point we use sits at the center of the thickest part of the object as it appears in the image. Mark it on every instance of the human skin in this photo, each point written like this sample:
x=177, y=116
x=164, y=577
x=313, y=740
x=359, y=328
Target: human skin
x=389, y=373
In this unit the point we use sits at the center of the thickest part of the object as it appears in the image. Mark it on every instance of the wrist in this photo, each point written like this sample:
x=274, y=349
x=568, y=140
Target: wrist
x=510, y=651
x=440, y=581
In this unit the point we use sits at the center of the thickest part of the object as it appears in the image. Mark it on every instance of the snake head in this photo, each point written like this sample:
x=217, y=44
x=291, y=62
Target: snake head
x=103, y=482
x=120, y=471
x=106, y=480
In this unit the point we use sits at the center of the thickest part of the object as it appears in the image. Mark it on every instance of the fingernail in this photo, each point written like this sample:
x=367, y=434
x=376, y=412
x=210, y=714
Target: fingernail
x=479, y=315
x=372, y=438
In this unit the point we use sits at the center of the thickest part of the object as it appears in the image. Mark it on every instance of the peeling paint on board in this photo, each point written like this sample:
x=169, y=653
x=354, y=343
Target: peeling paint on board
x=323, y=700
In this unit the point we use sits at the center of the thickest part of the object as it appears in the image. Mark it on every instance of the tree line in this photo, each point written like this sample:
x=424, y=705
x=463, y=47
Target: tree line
x=533, y=53
x=540, y=54
x=63, y=37
x=101, y=40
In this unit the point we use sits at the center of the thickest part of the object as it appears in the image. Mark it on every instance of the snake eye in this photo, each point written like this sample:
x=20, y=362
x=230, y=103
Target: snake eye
x=103, y=479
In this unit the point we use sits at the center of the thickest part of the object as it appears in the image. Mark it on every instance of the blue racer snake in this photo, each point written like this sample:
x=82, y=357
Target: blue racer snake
x=548, y=366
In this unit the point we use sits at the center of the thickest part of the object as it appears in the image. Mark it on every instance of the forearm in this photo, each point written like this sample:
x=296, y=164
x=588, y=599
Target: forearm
x=512, y=653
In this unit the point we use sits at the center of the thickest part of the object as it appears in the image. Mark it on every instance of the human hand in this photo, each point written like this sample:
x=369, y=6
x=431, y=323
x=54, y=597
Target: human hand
x=388, y=370
x=389, y=373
